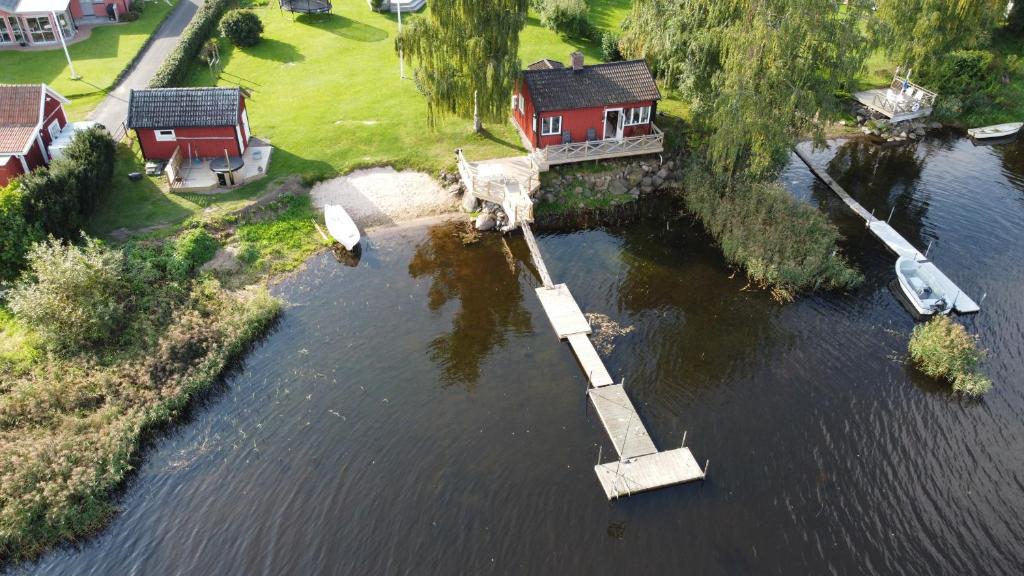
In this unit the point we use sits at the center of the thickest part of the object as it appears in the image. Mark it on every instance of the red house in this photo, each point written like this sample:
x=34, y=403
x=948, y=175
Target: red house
x=587, y=112
x=202, y=122
x=31, y=117
x=42, y=22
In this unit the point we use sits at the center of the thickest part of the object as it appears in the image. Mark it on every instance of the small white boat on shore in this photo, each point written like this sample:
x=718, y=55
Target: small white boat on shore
x=925, y=287
x=997, y=131
x=341, y=226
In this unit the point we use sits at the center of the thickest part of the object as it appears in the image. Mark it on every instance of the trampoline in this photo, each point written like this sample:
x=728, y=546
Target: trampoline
x=306, y=6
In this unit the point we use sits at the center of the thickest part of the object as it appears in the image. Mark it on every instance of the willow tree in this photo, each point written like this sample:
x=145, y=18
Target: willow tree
x=760, y=73
x=918, y=33
x=466, y=56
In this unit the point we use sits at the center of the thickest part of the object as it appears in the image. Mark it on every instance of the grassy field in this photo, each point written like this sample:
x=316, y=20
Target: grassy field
x=328, y=95
x=98, y=59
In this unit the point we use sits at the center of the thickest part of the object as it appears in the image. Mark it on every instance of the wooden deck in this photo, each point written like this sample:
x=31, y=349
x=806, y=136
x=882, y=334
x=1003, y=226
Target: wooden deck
x=509, y=182
x=653, y=143
x=892, y=239
x=591, y=363
x=649, y=472
x=902, y=100
x=622, y=422
x=561, y=308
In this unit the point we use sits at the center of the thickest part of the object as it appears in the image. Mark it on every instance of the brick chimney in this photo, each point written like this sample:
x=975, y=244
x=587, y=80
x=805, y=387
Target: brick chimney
x=577, y=61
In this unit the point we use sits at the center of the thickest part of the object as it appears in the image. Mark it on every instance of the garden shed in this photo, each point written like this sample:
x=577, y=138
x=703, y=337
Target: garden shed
x=201, y=122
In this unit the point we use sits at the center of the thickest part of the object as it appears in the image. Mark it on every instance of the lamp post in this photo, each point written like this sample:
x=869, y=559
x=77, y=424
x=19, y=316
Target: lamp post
x=401, y=53
x=60, y=33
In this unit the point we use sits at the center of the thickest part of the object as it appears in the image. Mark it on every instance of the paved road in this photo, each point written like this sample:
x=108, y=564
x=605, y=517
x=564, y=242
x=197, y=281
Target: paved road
x=114, y=108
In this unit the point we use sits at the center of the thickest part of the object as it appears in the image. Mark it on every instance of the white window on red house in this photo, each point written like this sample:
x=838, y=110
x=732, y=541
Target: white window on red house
x=551, y=125
x=165, y=135
x=522, y=105
x=636, y=116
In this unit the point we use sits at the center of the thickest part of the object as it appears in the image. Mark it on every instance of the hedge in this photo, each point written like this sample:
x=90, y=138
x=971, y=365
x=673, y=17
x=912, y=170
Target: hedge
x=202, y=27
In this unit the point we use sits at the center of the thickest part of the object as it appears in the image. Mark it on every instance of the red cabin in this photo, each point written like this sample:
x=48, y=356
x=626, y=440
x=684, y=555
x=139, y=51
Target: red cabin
x=562, y=113
x=31, y=117
x=201, y=122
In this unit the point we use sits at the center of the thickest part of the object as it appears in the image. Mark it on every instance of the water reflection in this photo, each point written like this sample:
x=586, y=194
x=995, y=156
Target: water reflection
x=490, y=299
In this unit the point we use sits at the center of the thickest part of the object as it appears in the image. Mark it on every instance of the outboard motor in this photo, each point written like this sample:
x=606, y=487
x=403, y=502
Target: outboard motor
x=939, y=306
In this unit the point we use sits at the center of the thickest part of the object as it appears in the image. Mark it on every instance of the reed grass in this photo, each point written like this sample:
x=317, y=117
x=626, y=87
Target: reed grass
x=942, y=348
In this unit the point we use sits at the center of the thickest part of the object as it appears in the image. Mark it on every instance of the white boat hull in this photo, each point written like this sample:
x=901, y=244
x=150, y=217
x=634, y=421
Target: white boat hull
x=997, y=131
x=341, y=226
x=925, y=288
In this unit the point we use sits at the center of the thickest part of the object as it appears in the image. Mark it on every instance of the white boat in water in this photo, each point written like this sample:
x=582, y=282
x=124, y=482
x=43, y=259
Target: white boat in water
x=925, y=286
x=997, y=131
x=341, y=226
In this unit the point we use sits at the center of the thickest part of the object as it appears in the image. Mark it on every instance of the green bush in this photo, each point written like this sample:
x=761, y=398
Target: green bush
x=73, y=297
x=966, y=71
x=610, y=47
x=783, y=244
x=242, y=27
x=1015, y=22
x=16, y=233
x=941, y=348
x=570, y=17
x=58, y=197
x=176, y=65
x=193, y=248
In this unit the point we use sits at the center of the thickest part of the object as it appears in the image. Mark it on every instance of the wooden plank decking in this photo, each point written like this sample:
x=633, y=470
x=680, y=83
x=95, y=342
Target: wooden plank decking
x=888, y=235
x=561, y=308
x=621, y=421
x=648, y=472
x=591, y=363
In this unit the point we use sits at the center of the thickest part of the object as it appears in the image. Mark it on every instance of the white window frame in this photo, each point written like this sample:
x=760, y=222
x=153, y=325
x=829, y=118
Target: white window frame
x=522, y=104
x=547, y=126
x=638, y=116
x=53, y=128
x=165, y=135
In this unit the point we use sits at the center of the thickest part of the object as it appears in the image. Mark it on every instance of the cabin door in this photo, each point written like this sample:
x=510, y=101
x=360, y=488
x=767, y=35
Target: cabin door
x=614, y=123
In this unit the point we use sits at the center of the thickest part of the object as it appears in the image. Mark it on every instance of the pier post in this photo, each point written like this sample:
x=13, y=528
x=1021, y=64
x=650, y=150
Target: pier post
x=706, y=464
x=600, y=447
x=684, y=439
x=891, y=212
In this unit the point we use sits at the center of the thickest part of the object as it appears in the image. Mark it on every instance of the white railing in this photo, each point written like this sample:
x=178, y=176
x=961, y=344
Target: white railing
x=904, y=97
x=505, y=191
x=652, y=143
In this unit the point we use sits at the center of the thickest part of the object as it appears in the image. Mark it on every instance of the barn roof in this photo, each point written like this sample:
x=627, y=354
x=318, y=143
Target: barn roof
x=20, y=114
x=591, y=86
x=183, y=107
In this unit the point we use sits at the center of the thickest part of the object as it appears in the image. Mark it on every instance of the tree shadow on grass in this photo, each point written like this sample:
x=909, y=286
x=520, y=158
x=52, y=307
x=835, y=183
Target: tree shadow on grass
x=275, y=50
x=346, y=28
x=513, y=145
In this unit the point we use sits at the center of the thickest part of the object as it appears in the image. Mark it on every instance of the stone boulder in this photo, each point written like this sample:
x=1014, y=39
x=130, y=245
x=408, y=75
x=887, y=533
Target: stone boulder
x=485, y=221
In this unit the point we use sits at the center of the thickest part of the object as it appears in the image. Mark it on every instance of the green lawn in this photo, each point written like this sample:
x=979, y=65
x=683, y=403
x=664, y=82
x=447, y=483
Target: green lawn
x=98, y=59
x=328, y=95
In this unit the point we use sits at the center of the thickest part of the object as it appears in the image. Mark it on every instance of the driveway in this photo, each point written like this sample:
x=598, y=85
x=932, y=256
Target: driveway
x=114, y=108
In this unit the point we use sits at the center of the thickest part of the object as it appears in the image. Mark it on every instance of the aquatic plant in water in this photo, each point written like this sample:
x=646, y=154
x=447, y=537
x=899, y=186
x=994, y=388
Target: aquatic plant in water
x=942, y=348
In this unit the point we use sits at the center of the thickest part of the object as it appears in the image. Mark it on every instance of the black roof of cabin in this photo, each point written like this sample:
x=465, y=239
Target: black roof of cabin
x=555, y=88
x=183, y=107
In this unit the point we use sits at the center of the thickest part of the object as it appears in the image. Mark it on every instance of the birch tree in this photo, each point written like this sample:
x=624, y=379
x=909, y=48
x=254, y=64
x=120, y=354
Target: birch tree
x=465, y=54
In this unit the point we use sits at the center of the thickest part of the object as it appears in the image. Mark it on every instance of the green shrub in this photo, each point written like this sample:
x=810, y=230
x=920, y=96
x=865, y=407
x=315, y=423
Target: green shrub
x=193, y=248
x=72, y=297
x=783, y=244
x=1015, y=22
x=570, y=17
x=242, y=27
x=16, y=233
x=58, y=197
x=610, y=47
x=966, y=71
x=176, y=65
x=943, y=349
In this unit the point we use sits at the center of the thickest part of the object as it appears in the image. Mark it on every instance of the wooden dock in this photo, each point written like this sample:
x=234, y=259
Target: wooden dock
x=892, y=239
x=640, y=467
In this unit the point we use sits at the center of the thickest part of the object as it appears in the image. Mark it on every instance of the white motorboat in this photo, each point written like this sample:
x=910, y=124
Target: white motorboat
x=924, y=286
x=341, y=226
x=997, y=131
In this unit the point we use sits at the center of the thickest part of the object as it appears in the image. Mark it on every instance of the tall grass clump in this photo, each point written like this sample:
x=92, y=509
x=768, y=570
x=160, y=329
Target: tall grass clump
x=942, y=348
x=783, y=244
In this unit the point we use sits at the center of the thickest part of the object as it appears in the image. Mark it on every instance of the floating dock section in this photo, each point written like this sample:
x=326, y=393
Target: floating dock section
x=640, y=466
x=890, y=237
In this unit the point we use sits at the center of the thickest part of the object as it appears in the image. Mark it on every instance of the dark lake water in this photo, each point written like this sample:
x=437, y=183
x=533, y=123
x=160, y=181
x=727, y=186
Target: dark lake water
x=416, y=414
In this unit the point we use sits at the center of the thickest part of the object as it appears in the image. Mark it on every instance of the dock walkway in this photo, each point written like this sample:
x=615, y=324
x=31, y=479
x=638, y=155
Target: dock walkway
x=888, y=235
x=640, y=466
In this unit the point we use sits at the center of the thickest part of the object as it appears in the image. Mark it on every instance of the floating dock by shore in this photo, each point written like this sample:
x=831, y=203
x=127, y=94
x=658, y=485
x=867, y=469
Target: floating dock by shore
x=640, y=466
x=892, y=239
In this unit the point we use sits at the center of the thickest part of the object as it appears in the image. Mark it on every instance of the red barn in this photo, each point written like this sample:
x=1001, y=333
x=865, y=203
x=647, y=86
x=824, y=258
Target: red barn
x=563, y=113
x=31, y=117
x=202, y=122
